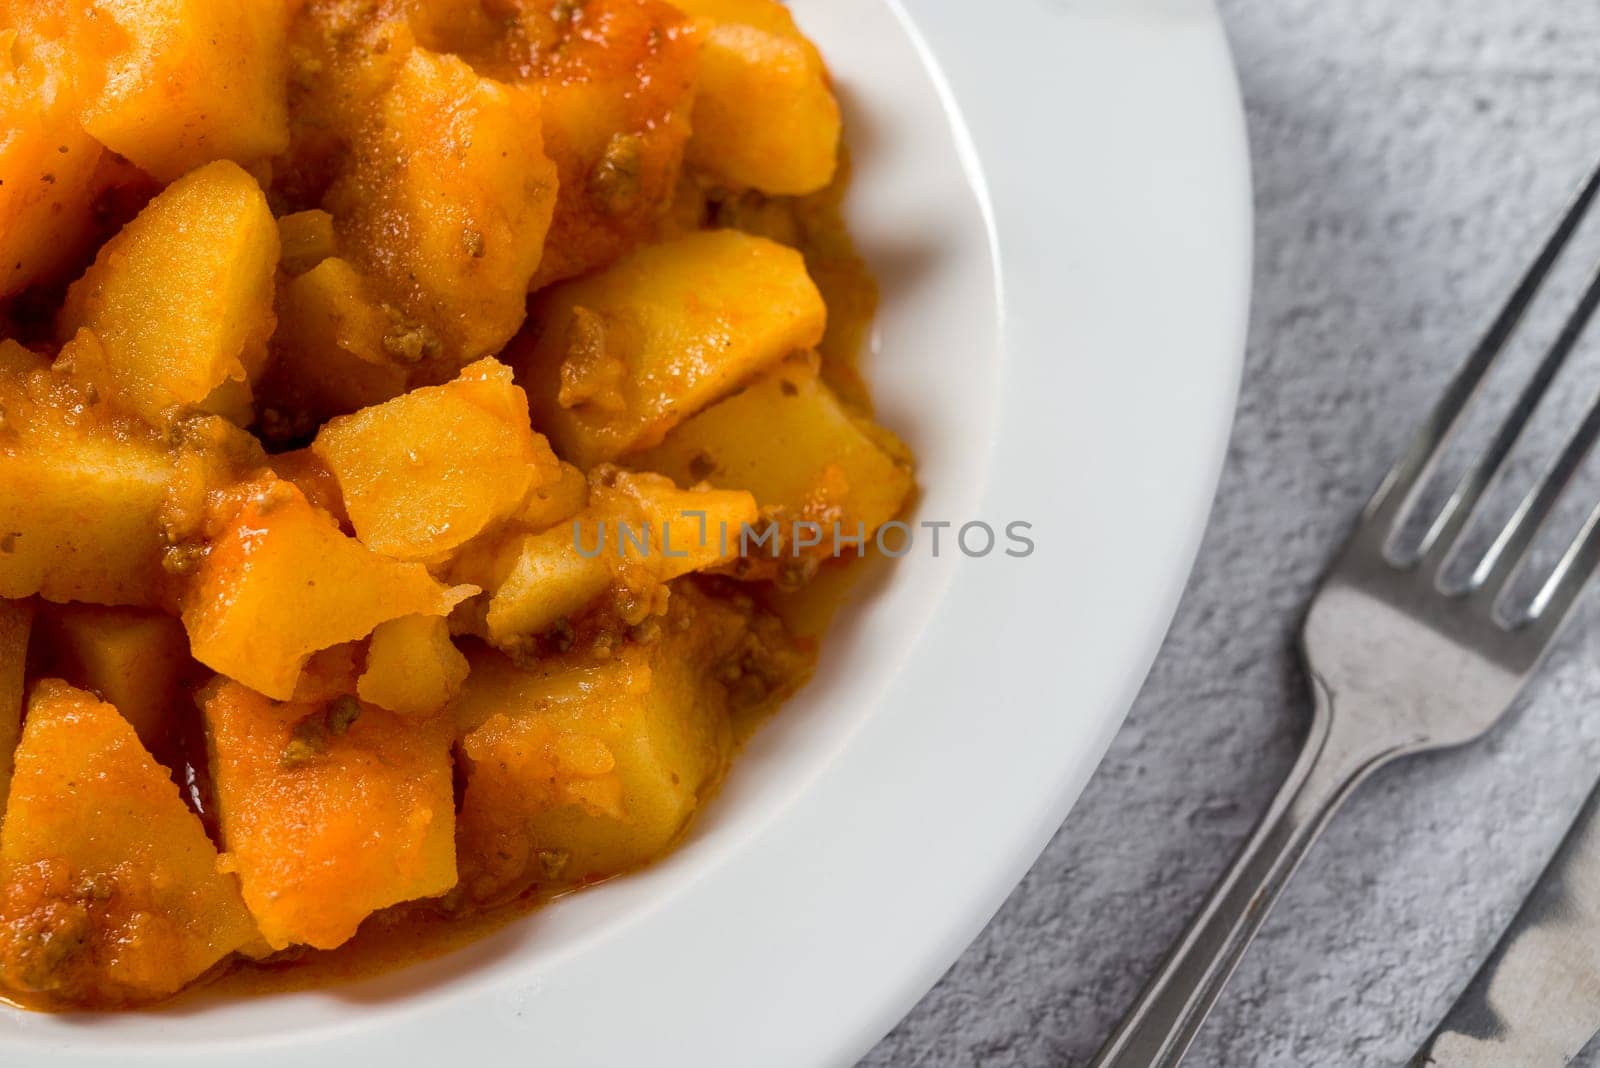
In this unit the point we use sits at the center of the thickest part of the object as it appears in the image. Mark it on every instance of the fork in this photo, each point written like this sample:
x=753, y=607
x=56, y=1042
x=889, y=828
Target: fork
x=1397, y=664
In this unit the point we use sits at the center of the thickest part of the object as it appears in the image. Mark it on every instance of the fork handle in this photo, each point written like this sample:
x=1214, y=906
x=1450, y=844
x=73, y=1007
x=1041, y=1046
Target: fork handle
x=1160, y=1027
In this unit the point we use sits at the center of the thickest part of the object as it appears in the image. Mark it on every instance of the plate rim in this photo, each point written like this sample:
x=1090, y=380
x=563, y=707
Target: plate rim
x=944, y=952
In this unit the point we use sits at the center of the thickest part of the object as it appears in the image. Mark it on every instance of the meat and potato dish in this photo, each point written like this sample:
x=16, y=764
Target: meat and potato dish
x=418, y=424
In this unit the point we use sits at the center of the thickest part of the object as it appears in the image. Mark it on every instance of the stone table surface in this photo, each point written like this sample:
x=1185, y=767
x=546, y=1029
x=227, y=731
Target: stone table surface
x=1409, y=155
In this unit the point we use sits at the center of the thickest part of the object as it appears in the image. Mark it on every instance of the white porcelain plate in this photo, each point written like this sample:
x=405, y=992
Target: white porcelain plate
x=1054, y=195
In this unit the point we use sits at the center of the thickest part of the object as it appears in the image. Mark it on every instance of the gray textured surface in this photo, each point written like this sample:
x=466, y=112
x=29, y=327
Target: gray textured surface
x=1408, y=153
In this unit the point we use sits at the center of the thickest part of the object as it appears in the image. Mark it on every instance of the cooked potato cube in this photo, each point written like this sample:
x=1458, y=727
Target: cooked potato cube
x=110, y=891
x=181, y=299
x=80, y=499
x=426, y=472
x=183, y=82
x=659, y=531
x=281, y=582
x=135, y=660
x=413, y=669
x=17, y=363
x=306, y=239
x=335, y=348
x=47, y=188
x=545, y=579
x=639, y=533
x=329, y=811
x=618, y=85
x=552, y=501
x=621, y=357
x=769, y=16
x=788, y=440
x=216, y=461
x=580, y=769
x=342, y=56
x=234, y=401
x=764, y=114
x=16, y=626
x=446, y=204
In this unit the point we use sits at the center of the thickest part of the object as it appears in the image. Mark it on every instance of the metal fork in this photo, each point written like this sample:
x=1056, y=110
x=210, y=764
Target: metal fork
x=1397, y=665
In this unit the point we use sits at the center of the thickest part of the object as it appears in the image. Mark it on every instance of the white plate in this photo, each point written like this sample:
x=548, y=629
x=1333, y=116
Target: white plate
x=1065, y=274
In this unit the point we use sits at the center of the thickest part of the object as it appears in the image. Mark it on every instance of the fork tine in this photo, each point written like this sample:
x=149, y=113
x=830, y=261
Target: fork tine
x=1458, y=510
x=1510, y=546
x=1401, y=483
x=1566, y=584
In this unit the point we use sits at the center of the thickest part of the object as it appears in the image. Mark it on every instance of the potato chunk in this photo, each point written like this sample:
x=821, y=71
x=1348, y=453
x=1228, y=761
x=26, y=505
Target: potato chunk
x=16, y=626
x=446, y=203
x=80, y=498
x=552, y=501
x=621, y=357
x=424, y=473
x=135, y=660
x=764, y=114
x=788, y=440
x=343, y=54
x=538, y=580
x=181, y=299
x=281, y=582
x=181, y=83
x=329, y=811
x=657, y=532
x=580, y=768
x=47, y=188
x=306, y=238
x=413, y=669
x=639, y=532
x=618, y=83
x=112, y=893
x=335, y=349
